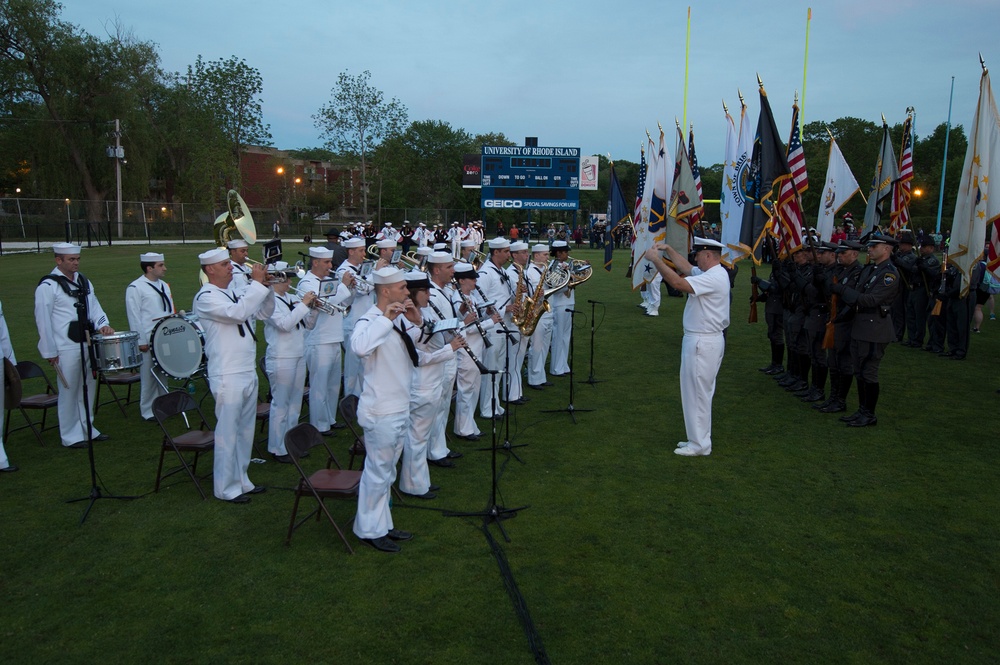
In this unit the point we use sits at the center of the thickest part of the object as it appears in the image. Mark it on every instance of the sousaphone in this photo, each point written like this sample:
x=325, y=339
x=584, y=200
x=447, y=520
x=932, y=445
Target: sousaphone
x=236, y=221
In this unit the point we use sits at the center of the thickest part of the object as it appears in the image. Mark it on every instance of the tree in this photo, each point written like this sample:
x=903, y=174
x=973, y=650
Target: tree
x=67, y=87
x=357, y=120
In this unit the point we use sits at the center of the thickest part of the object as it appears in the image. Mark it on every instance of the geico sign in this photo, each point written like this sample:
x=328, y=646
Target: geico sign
x=502, y=203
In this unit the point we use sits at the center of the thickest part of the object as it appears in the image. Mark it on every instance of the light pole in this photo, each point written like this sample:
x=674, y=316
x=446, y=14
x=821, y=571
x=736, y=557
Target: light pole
x=68, y=223
x=117, y=153
x=20, y=218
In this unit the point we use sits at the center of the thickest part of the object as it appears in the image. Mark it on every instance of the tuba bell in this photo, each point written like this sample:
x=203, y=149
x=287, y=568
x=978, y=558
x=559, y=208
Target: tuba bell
x=237, y=221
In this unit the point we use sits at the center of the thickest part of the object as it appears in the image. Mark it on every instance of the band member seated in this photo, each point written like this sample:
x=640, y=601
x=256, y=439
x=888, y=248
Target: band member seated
x=60, y=335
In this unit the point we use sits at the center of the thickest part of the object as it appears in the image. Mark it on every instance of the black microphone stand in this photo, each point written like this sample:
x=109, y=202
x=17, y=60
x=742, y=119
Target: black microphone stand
x=571, y=410
x=591, y=379
x=493, y=512
x=507, y=446
x=83, y=320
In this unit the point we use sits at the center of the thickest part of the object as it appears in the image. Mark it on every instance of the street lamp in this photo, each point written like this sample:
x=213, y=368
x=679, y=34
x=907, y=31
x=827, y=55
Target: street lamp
x=918, y=192
x=67, y=222
x=19, y=217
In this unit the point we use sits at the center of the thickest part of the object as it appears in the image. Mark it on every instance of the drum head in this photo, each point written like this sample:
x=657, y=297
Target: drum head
x=178, y=347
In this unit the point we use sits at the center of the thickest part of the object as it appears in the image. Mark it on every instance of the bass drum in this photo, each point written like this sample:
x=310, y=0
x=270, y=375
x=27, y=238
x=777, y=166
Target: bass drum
x=177, y=345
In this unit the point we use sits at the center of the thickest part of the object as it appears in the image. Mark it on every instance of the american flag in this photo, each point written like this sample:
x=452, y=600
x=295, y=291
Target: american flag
x=993, y=248
x=641, y=186
x=697, y=215
x=796, y=155
x=900, y=215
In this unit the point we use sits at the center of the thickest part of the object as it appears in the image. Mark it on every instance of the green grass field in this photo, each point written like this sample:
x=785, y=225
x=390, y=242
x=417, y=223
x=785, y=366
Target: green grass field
x=798, y=541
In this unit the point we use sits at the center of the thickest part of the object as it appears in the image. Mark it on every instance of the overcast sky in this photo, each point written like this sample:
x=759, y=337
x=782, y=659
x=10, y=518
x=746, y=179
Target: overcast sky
x=593, y=74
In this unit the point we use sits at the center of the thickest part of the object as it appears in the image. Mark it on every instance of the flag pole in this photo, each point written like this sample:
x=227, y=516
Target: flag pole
x=687, y=58
x=944, y=160
x=805, y=70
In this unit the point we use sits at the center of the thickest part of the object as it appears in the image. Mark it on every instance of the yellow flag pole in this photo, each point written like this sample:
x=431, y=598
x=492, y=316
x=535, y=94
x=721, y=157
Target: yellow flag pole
x=805, y=70
x=687, y=58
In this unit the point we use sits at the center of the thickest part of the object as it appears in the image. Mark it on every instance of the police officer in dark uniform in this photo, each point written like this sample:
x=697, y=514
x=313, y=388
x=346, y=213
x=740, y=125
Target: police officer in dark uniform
x=773, y=315
x=817, y=303
x=839, y=355
x=873, y=330
x=795, y=335
x=928, y=280
x=904, y=318
x=957, y=311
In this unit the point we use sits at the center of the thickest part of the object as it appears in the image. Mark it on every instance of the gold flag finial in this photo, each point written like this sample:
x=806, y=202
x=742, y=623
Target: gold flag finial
x=759, y=81
x=740, y=93
x=724, y=107
x=795, y=99
x=883, y=119
x=982, y=63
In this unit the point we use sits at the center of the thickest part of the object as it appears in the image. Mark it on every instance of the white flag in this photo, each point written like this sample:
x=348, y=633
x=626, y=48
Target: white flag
x=886, y=174
x=975, y=209
x=840, y=186
x=642, y=270
x=734, y=174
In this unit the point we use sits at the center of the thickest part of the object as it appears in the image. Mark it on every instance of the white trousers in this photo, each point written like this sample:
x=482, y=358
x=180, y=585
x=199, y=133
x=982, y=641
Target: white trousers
x=352, y=368
x=149, y=389
x=384, y=436
x=701, y=357
x=236, y=418
x=288, y=379
x=323, y=361
x=494, y=358
x=4, y=462
x=437, y=445
x=468, y=383
x=72, y=416
x=562, y=328
x=653, y=293
x=516, y=352
x=414, y=475
x=538, y=350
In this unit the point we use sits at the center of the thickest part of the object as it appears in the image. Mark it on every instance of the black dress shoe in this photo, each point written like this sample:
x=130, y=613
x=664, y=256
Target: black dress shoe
x=548, y=383
x=10, y=469
x=815, y=395
x=328, y=432
x=854, y=416
x=866, y=420
x=470, y=437
x=777, y=369
x=563, y=374
x=338, y=426
x=399, y=534
x=259, y=489
x=101, y=437
x=454, y=454
x=946, y=354
x=383, y=544
x=242, y=498
x=427, y=496
x=434, y=488
x=519, y=401
x=958, y=356
x=835, y=406
x=150, y=420
x=444, y=463
x=534, y=387
x=78, y=445
x=282, y=459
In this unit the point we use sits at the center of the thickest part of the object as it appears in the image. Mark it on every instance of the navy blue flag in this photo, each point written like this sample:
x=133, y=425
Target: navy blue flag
x=618, y=213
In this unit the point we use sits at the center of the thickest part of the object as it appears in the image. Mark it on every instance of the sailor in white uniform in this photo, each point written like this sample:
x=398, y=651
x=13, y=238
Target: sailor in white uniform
x=361, y=299
x=147, y=300
x=59, y=338
x=496, y=286
x=517, y=344
x=231, y=348
x=285, y=361
x=467, y=303
x=441, y=270
x=541, y=339
x=239, y=252
x=6, y=351
x=561, y=302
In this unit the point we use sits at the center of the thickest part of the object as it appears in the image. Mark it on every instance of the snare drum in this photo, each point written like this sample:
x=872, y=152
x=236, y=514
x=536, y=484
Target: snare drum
x=116, y=352
x=177, y=345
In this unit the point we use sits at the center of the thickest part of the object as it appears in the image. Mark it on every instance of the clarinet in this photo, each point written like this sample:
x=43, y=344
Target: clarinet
x=471, y=307
x=426, y=330
x=503, y=326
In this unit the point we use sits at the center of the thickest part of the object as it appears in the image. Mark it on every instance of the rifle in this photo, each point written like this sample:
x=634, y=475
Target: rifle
x=754, y=294
x=828, y=333
x=937, y=305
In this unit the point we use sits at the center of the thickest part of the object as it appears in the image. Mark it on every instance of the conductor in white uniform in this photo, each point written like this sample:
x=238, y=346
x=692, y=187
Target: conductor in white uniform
x=706, y=316
x=148, y=299
x=231, y=348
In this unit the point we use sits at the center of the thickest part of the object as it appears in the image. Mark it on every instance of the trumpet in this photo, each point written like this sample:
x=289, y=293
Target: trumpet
x=321, y=304
x=281, y=276
x=405, y=260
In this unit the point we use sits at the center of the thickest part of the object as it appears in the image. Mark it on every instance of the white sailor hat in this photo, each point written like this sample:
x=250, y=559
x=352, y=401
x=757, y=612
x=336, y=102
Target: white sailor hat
x=388, y=275
x=279, y=265
x=499, y=243
x=150, y=257
x=440, y=257
x=558, y=245
x=424, y=251
x=213, y=256
x=464, y=270
x=540, y=247
x=421, y=224
x=706, y=243
x=440, y=246
x=66, y=248
x=387, y=224
x=344, y=235
x=351, y=243
x=388, y=243
x=416, y=279
x=237, y=244
x=469, y=243
x=320, y=253
x=518, y=246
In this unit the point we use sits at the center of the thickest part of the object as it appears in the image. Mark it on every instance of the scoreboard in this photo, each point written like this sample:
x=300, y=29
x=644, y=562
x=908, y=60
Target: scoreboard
x=530, y=177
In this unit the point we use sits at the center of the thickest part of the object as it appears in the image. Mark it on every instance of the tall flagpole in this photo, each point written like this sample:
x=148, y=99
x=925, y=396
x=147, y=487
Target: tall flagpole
x=805, y=70
x=687, y=58
x=944, y=160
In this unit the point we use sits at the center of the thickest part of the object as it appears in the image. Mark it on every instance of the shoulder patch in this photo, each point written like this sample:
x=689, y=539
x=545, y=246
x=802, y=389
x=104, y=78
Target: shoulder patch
x=888, y=278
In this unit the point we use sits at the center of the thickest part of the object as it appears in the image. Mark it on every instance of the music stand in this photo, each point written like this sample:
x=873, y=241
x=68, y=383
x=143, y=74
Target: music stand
x=571, y=409
x=83, y=320
x=590, y=379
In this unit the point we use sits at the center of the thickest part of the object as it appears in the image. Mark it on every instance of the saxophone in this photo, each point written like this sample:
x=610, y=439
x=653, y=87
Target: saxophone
x=552, y=279
x=518, y=302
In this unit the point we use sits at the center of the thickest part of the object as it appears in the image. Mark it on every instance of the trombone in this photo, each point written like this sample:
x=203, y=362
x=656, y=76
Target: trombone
x=410, y=262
